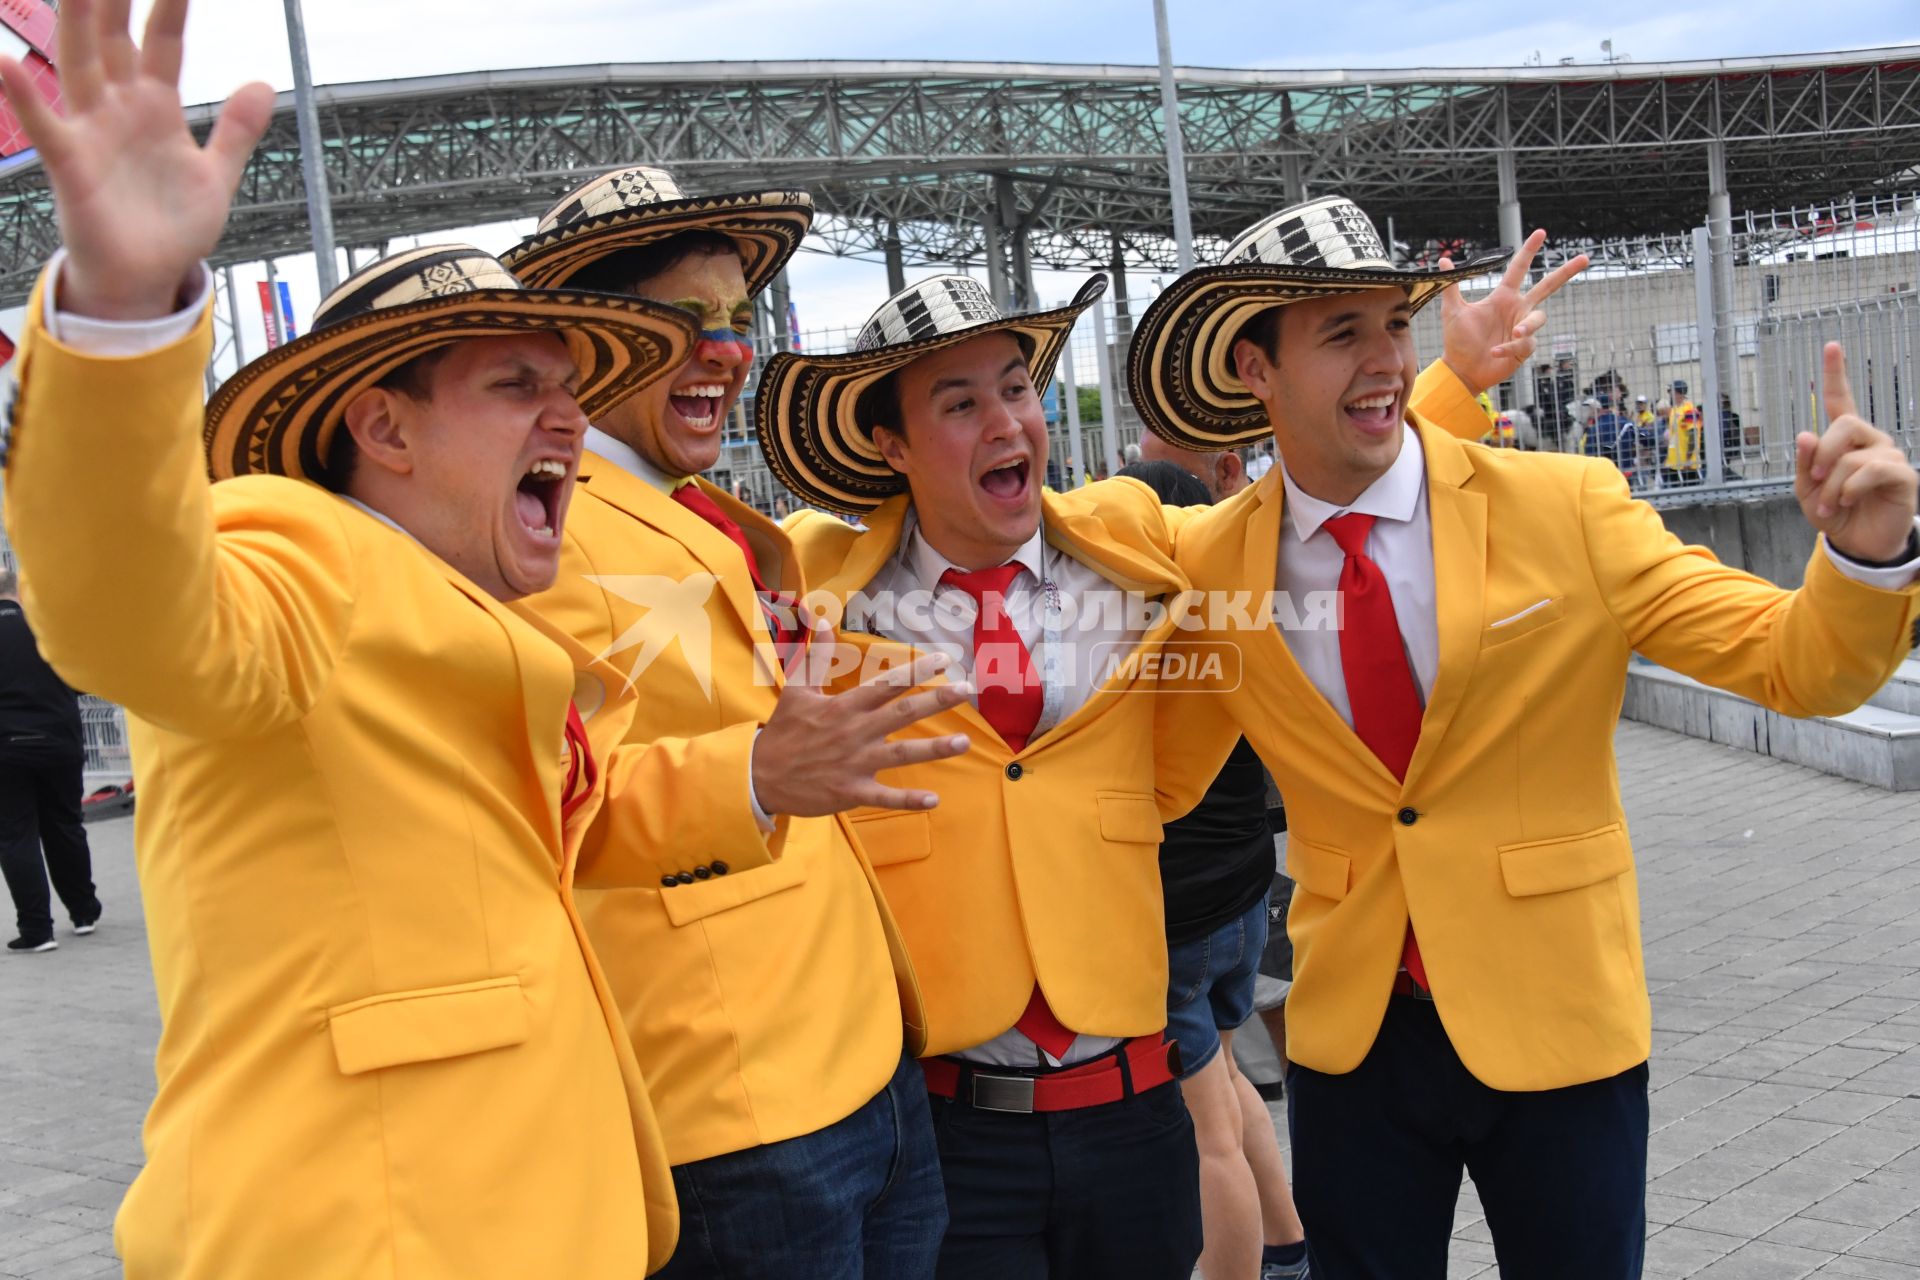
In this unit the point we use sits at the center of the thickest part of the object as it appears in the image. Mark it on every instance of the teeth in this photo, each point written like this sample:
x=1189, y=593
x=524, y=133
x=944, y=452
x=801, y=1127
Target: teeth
x=712, y=390
x=548, y=469
x=1373, y=402
x=545, y=530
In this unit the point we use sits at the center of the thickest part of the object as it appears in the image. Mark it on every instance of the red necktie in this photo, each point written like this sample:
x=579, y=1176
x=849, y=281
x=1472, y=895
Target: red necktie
x=1010, y=700
x=1380, y=684
x=581, y=770
x=1010, y=696
x=695, y=499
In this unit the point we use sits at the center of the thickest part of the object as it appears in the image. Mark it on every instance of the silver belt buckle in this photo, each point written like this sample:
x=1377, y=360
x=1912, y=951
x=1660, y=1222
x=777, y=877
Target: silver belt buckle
x=1012, y=1094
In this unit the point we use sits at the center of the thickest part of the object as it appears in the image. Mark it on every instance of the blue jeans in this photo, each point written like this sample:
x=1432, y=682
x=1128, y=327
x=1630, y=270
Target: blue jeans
x=858, y=1200
x=1210, y=985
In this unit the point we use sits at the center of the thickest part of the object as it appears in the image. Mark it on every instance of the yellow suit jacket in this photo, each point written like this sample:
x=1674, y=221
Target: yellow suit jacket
x=386, y=1048
x=765, y=1003
x=1507, y=841
x=1042, y=863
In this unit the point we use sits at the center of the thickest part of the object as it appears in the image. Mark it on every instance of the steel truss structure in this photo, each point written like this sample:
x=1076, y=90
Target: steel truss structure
x=942, y=162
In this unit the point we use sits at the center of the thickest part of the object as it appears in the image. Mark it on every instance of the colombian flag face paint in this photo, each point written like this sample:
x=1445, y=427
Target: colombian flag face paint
x=722, y=346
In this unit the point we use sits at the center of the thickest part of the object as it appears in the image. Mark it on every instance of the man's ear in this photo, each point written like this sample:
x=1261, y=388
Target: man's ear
x=375, y=417
x=1251, y=363
x=1229, y=473
x=892, y=446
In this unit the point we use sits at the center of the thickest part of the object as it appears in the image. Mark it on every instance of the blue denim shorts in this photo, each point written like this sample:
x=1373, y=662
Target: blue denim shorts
x=1210, y=985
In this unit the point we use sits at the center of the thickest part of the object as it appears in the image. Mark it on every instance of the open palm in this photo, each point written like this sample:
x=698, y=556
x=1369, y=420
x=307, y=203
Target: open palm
x=1488, y=340
x=139, y=201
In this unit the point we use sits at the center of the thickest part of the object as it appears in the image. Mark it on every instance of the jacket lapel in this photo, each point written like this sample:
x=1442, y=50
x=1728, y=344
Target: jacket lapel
x=714, y=550
x=1266, y=525
x=1459, y=518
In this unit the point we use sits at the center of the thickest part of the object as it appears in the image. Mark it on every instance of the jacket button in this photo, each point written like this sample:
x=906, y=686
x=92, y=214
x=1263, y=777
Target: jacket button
x=720, y=868
x=667, y=882
x=685, y=877
x=703, y=873
x=1408, y=817
x=1014, y=772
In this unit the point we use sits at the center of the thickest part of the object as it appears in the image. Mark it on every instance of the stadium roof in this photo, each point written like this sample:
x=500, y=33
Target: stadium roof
x=1070, y=157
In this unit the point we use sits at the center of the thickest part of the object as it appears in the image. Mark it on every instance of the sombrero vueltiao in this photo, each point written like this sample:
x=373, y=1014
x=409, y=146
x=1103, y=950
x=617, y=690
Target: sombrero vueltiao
x=806, y=410
x=1180, y=366
x=638, y=206
x=277, y=415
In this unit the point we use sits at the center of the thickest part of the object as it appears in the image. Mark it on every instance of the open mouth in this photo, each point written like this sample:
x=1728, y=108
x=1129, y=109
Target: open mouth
x=1007, y=482
x=1375, y=414
x=537, y=498
x=699, y=406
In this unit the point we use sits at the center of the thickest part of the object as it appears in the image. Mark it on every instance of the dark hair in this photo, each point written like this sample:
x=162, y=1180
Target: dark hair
x=414, y=380
x=1177, y=486
x=627, y=270
x=879, y=406
x=1263, y=331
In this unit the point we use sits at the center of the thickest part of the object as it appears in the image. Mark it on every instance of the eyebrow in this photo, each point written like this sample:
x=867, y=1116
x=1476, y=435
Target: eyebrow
x=520, y=368
x=1348, y=317
x=947, y=384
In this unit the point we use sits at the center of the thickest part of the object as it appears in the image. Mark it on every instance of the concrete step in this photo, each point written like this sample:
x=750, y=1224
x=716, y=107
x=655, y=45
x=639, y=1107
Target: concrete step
x=1877, y=745
x=1902, y=693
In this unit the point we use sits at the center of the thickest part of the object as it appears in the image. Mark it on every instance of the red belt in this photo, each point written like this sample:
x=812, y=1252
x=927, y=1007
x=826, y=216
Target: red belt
x=1404, y=985
x=1151, y=1062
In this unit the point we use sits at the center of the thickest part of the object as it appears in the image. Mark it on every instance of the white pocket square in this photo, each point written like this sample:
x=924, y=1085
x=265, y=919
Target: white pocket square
x=1532, y=608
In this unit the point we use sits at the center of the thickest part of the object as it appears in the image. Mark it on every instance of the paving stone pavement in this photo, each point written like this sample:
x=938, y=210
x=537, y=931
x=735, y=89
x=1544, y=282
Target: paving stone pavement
x=1782, y=920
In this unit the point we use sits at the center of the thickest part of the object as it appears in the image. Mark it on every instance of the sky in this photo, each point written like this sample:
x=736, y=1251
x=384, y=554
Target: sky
x=232, y=41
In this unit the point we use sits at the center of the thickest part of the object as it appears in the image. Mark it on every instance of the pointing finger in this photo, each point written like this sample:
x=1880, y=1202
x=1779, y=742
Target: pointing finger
x=1836, y=391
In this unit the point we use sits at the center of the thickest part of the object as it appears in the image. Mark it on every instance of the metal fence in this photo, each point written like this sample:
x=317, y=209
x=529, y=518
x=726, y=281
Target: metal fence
x=103, y=732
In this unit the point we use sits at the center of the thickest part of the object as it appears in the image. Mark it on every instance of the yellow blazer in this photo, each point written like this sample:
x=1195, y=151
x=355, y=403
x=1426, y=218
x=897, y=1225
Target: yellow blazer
x=766, y=1003
x=1507, y=840
x=1042, y=863
x=386, y=1049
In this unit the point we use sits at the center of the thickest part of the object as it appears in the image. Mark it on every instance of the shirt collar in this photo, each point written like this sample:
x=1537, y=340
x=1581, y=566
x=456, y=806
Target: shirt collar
x=928, y=566
x=381, y=516
x=1394, y=496
x=628, y=459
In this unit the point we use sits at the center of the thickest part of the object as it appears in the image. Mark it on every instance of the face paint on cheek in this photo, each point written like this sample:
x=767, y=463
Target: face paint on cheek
x=719, y=344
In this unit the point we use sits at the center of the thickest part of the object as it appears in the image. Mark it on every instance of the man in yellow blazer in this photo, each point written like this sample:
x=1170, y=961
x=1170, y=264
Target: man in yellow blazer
x=1468, y=987
x=386, y=1049
x=1030, y=899
x=763, y=985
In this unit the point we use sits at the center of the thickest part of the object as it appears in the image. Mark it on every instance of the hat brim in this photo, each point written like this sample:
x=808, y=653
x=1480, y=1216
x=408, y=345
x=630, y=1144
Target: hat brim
x=277, y=415
x=805, y=411
x=767, y=226
x=1180, y=365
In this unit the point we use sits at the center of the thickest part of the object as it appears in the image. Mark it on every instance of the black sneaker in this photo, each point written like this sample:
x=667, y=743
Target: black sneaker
x=28, y=946
x=84, y=927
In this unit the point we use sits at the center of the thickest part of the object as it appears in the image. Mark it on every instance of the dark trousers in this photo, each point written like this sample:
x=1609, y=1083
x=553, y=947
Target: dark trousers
x=1102, y=1192
x=857, y=1200
x=40, y=809
x=1378, y=1154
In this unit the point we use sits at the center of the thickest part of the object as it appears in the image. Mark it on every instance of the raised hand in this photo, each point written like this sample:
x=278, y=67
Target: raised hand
x=819, y=751
x=1487, y=341
x=139, y=202
x=1854, y=483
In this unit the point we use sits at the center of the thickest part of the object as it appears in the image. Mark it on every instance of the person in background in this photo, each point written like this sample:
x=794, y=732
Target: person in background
x=1215, y=866
x=41, y=760
x=1682, y=466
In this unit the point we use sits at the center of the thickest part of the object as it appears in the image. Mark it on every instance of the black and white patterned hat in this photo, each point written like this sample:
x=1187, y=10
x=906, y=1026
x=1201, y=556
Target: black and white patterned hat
x=277, y=414
x=807, y=409
x=1180, y=366
x=640, y=205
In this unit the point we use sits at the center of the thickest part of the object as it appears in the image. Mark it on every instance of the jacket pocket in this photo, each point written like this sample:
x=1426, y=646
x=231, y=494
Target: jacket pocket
x=1567, y=862
x=686, y=903
x=1318, y=869
x=1524, y=623
x=890, y=837
x=1128, y=817
x=427, y=1024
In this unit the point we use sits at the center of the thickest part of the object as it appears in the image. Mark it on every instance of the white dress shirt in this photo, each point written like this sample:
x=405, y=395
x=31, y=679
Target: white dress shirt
x=1087, y=645
x=1401, y=543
